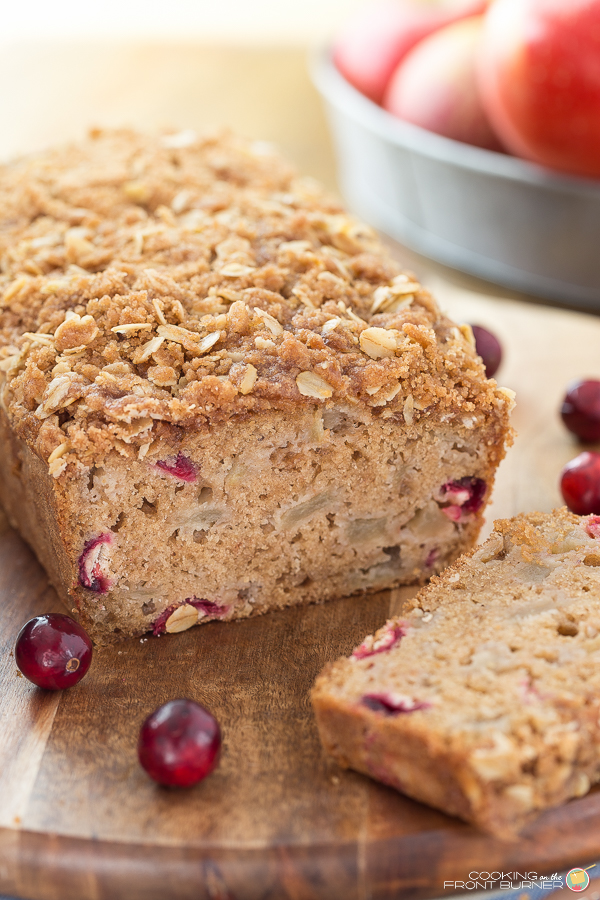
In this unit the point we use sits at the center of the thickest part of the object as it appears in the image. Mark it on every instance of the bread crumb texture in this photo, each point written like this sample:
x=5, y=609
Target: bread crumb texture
x=483, y=699
x=149, y=284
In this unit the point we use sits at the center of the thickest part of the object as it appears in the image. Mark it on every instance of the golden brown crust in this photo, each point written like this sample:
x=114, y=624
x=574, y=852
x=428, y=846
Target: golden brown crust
x=153, y=284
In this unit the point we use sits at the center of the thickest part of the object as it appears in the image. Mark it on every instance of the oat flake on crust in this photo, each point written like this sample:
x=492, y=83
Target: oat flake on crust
x=149, y=284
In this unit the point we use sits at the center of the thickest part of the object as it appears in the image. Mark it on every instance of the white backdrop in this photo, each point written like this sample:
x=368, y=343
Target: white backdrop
x=291, y=21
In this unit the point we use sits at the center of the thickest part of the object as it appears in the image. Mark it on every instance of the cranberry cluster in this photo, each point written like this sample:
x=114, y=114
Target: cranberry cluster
x=391, y=704
x=179, y=744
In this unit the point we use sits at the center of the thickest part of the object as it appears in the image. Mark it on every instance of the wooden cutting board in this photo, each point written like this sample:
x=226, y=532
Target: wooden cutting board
x=79, y=820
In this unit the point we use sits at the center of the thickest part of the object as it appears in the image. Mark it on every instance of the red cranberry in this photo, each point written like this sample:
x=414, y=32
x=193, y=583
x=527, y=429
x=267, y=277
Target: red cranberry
x=179, y=743
x=180, y=467
x=393, y=632
x=432, y=558
x=465, y=496
x=53, y=651
x=93, y=561
x=581, y=410
x=391, y=704
x=580, y=484
x=489, y=349
x=209, y=608
x=593, y=527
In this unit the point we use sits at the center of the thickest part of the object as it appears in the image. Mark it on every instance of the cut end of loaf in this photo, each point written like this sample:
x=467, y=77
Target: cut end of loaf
x=252, y=516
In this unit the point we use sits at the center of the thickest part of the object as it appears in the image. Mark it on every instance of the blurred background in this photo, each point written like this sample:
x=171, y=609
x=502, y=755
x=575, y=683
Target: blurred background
x=67, y=65
x=262, y=20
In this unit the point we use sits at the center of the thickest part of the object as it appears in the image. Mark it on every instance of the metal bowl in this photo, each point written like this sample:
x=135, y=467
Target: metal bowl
x=494, y=216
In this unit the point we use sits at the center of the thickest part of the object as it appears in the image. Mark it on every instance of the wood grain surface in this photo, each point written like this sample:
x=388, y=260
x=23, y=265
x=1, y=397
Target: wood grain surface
x=79, y=820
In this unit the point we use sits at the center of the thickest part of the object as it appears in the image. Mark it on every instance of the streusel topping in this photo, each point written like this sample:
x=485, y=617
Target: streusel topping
x=155, y=283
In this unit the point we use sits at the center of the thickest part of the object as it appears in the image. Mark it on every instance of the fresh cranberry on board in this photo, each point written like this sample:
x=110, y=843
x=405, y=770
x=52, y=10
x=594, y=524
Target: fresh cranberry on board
x=580, y=484
x=539, y=77
x=380, y=34
x=53, y=651
x=489, y=349
x=580, y=410
x=179, y=743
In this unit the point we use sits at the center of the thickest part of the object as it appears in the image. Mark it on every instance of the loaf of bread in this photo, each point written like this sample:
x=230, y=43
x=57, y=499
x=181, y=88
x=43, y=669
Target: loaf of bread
x=484, y=699
x=219, y=395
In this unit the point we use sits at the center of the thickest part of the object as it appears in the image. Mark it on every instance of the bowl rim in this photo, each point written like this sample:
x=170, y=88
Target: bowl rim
x=340, y=93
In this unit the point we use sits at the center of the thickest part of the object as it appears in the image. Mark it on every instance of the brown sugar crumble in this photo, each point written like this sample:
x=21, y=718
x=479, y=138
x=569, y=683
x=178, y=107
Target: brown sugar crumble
x=146, y=281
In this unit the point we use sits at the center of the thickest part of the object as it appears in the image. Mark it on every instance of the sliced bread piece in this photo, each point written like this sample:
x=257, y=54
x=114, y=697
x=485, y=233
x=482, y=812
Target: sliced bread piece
x=484, y=699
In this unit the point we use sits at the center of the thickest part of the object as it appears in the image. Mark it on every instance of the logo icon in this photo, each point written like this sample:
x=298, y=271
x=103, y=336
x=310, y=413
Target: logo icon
x=577, y=880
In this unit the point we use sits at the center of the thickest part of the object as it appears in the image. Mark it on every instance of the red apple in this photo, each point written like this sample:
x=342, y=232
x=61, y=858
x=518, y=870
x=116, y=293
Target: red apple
x=435, y=86
x=374, y=41
x=539, y=74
